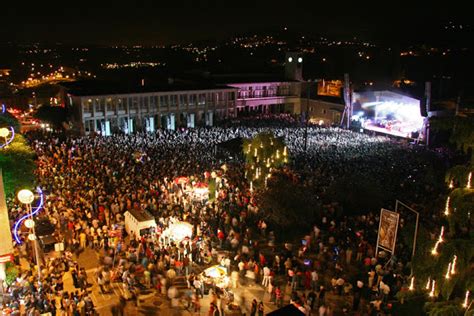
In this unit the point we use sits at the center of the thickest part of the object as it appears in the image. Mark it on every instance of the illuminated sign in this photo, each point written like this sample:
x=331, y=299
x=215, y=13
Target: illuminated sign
x=330, y=88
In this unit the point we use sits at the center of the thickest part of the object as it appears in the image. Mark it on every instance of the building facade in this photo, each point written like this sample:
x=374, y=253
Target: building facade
x=146, y=111
x=98, y=108
x=267, y=97
x=108, y=113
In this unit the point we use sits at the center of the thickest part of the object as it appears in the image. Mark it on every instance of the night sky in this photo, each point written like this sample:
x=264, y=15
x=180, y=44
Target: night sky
x=165, y=22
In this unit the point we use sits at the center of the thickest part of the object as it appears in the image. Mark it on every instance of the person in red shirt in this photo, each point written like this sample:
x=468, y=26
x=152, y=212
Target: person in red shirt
x=262, y=259
x=221, y=236
x=278, y=296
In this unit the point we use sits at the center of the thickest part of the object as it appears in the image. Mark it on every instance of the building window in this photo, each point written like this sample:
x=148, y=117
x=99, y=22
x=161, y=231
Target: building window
x=192, y=99
x=89, y=126
x=173, y=100
x=122, y=104
x=87, y=106
x=154, y=104
x=202, y=99
x=145, y=104
x=163, y=101
x=99, y=105
x=134, y=105
x=283, y=90
x=183, y=99
x=110, y=106
x=324, y=111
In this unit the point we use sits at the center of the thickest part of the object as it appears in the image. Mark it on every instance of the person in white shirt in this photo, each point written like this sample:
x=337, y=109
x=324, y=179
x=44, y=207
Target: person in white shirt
x=266, y=276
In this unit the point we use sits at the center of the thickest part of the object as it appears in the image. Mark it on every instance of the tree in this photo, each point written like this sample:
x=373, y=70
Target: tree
x=263, y=154
x=457, y=246
x=461, y=130
x=443, y=309
x=11, y=273
x=17, y=164
x=6, y=120
x=54, y=115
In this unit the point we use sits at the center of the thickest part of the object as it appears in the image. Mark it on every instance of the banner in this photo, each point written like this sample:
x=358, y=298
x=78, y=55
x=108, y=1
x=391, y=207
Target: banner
x=388, y=228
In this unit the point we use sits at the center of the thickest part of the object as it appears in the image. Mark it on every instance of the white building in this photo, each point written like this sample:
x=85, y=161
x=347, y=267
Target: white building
x=106, y=109
x=148, y=108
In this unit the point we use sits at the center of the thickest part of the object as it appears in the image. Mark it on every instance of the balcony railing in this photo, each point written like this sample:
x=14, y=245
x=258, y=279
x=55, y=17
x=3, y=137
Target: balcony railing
x=255, y=94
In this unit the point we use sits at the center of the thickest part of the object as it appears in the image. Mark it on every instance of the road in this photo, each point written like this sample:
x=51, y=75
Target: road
x=153, y=304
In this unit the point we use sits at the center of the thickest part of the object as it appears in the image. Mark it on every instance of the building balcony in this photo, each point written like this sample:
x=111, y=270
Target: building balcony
x=260, y=95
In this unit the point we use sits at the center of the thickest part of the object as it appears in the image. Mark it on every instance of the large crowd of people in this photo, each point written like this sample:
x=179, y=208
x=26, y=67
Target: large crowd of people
x=91, y=181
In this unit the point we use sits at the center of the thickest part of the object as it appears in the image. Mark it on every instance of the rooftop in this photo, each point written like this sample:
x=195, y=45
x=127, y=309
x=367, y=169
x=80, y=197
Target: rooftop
x=141, y=216
x=248, y=78
x=99, y=87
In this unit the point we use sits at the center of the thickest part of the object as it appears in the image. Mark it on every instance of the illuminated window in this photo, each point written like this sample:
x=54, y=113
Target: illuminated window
x=192, y=99
x=122, y=104
x=87, y=106
x=183, y=99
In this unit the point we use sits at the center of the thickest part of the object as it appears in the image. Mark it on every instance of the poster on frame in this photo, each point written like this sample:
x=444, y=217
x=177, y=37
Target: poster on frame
x=388, y=228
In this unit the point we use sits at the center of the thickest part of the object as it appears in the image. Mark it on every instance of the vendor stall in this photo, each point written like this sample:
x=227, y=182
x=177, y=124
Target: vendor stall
x=177, y=232
x=216, y=275
x=200, y=191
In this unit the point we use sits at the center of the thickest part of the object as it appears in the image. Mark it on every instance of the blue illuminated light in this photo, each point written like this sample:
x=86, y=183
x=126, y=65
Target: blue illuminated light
x=34, y=210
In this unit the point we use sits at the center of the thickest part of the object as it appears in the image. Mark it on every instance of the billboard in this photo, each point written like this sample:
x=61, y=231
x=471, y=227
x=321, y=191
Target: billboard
x=388, y=112
x=330, y=88
x=388, y=227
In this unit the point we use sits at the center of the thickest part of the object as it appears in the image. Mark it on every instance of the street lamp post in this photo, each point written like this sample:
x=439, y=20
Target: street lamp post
x=4, y=132
x=26, y=197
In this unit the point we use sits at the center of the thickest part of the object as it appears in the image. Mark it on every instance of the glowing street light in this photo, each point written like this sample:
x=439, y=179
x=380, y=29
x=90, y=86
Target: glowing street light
x=27, y=197
x=4, y=132
x=29, y=223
